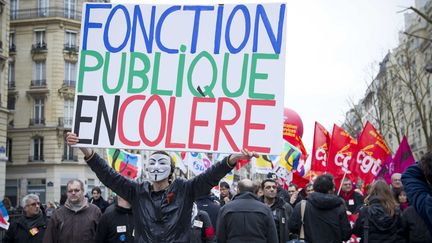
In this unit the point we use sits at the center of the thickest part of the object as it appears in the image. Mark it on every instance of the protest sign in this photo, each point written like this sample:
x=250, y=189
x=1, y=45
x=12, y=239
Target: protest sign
x=181, y=78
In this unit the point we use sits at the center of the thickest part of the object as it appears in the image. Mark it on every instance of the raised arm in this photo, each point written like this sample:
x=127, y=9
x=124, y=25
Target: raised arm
x=108, y=176
x=203, y=183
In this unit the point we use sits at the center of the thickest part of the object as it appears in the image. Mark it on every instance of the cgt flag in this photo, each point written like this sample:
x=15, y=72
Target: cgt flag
x=342, y=148
x=371, y=152
x=320, y=149
x=125, y=163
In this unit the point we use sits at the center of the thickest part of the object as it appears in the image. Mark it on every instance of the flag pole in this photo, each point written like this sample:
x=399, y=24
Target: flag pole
x=340, y=186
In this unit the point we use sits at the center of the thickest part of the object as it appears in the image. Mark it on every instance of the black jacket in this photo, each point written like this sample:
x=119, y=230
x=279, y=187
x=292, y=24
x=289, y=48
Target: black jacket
x=382, y=227
x=281, y=211
x=246, y=219
x=202, y=230
x=101, y=203
x=415, y=229
x=325, y=219
x=282, y=193
x=116, y=226
x=160, y=216
x=19, y=230
x=208, y=204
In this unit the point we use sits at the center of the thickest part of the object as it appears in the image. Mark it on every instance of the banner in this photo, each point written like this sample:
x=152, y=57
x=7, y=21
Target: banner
x=127, y=164
x=197, y=162
x=264, y=163
x=401, y=161
x=4, y=217
x=178, y=161
x=159, y=77
x=320, y=149
x=288, y=161
x=371, y=152
x=342, y=148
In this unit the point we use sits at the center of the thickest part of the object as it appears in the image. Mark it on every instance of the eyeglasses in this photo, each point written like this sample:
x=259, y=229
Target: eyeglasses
x=33, y=204
x=74, y=190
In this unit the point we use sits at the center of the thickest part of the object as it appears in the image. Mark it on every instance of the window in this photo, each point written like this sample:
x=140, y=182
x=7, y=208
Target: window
x=39, y=111
x=37, y=153
x=70, y=39
x=9, y=149
x=11, y=102
x=39, y=74
x=68, y=152
x=14, y=9
x=11, y=75
x=38, y=187
x=42, y=8
x=40, y=38
x=12, y=46
x=69, y=74
x=69, y=9
x=68, y=111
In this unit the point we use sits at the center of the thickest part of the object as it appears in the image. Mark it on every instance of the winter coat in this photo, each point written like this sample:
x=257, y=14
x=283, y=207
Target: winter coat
x=163, y=216
x=414, y=228
x=246, y=219
x=29, y=230
x=281, y=211
x=419, y=193
x=325, y=219
x=116, y=226
x=353, y=200
x=382, y=227
x=100, y=203
x=69, y=226
x=208, y=204
x=202, y=230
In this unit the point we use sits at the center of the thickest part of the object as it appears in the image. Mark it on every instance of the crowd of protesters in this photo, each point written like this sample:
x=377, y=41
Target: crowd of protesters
x=178, y=210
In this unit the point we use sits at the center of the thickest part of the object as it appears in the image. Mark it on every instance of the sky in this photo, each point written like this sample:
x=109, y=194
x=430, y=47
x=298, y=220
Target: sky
x=332, y=46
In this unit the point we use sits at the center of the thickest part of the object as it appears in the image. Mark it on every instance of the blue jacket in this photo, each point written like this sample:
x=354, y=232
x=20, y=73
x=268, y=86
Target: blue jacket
x=419, y=193
x=160, y=216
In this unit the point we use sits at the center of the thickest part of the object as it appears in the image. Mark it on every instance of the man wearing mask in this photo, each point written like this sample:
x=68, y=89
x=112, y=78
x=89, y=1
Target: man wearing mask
x=162, y=207
x=76, y=221
x=30, y=227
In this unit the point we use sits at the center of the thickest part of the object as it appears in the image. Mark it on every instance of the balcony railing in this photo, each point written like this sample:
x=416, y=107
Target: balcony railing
x=65, y=122
x=11, y=84
x=12, y=48
x=69, y=83
x=69, y=157
x=44, y=13
x=38, y=83
x=37, y=121
x=38, y=47
x=70, y=47
x=36, y=158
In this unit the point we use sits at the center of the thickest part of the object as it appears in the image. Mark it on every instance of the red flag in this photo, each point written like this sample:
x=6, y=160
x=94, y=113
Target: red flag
x=371, y=152
x=320, y=148
x=342, y=148
x=403, y=157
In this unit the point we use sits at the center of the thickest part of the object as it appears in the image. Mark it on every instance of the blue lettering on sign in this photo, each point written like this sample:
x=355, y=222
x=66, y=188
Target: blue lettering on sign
x=198, y=166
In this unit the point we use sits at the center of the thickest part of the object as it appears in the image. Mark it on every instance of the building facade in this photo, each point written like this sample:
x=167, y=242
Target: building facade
x=43, y=40
x=398, y=101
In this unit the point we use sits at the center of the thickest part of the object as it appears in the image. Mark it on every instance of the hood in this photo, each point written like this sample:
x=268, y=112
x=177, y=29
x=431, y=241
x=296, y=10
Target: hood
x=378, y=216
x=324, y=200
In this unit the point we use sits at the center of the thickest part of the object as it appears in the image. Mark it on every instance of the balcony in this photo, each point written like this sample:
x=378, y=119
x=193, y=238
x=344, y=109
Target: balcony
x=44, y=13
x=38, y=83
x=65, y=122
x=37, y=121
x=69, y=83
x=39, y=47
x=69, y=157
x=70, y=48
x=37, y=158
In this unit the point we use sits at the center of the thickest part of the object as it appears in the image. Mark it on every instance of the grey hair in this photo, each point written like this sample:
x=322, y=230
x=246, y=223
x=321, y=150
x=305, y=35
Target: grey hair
x=28, y=197
x=76, y=180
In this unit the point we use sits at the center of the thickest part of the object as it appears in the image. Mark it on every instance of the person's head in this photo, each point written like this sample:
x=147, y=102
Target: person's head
x=31, y=205
x=402, y=196
x=246, y=185
x=309, y=189
x=75, y=191
x=324, y=184
x=160, y=166
x=269, y=188
x=274, y=177
x=224, y=189
x=396, y=180
x=7, y=203
x=292, y=188
x=425, y=164
x=51, y=204
x=347, y=185
x=96, y=193
x=382, y=192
